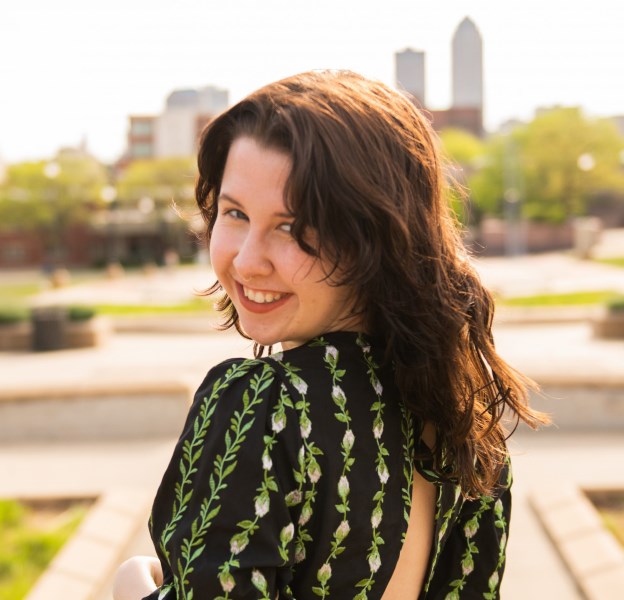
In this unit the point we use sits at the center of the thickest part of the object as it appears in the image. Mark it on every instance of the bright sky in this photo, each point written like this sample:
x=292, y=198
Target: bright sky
x=73, y=68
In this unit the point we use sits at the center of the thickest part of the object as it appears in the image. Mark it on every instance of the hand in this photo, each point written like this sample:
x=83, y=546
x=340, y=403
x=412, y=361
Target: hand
x=136, y=578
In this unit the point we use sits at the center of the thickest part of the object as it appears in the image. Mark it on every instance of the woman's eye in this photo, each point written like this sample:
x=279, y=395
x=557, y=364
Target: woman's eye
x=235, y=214
x=287, y=227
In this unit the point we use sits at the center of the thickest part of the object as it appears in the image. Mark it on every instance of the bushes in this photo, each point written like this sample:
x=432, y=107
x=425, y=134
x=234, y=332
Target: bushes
x=10, y=315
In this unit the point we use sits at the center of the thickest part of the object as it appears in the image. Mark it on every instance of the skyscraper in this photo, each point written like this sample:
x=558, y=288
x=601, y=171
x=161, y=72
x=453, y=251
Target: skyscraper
x=410, y=73
x=467, y=67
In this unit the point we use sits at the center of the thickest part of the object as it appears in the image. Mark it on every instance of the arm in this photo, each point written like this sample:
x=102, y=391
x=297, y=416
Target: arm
x=136, y=578
x=220, y=521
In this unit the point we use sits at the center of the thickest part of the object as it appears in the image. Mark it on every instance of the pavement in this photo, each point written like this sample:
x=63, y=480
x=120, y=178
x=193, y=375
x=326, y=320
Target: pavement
x=548, y=352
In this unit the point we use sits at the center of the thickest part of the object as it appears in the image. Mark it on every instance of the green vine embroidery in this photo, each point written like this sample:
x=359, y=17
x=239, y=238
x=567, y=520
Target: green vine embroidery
x=308, y=465
x=499, y=523
x=467, y=564
x=373, y=556
x=262, y=503
x=407, y=429
x=192, y=450
x=338, y=396
x=446, y=519
x=224, y=465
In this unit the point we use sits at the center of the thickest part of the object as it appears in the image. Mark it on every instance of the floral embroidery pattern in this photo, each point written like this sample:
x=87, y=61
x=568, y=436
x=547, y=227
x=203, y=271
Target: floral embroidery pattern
x=262, y=504
x=348, y=441
x=373, y=556
x=242, y=511
x=308, y=464
x=224, y=465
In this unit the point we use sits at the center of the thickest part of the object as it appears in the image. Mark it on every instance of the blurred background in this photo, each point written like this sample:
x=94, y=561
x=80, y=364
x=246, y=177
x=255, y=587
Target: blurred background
x=104, y=332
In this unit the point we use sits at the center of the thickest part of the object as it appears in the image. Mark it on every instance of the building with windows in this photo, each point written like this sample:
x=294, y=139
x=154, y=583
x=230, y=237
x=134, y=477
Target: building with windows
x=176, y=130
x=466, y=110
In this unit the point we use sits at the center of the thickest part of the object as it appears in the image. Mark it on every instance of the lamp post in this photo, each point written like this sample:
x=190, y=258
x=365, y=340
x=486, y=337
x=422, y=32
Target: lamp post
x=512, y=198
x=58, y=274
x=108, y=194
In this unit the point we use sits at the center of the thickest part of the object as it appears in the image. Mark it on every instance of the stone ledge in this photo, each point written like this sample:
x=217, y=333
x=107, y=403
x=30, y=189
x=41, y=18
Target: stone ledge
x=593, y=556
x=102, y=412
x=582, y=406
x=89, y=559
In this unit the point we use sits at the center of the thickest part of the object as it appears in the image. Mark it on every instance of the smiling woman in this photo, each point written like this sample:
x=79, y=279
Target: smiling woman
x=280, y=292
x=367, y=458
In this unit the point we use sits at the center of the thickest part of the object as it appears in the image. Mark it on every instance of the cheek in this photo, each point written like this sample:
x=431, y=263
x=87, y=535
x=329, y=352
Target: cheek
x=221, y=250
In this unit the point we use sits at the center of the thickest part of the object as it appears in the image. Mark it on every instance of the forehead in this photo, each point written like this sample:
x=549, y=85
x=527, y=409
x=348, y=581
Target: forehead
x=251, y=167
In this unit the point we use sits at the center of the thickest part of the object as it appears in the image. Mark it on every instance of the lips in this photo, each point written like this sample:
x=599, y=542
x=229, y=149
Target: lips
x=260, y=301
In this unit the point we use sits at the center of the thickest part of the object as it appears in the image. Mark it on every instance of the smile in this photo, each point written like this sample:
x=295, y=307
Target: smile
x=260, y=297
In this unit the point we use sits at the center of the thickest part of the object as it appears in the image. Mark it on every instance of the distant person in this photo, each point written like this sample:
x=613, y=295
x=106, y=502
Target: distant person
x=366, y=458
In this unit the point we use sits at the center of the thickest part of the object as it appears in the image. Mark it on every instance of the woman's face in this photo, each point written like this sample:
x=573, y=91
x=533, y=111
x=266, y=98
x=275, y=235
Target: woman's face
x=279, y=291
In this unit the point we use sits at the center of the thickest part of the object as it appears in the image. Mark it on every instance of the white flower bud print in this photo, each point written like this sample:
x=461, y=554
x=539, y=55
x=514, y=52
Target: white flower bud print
x=300, y=552
x=306, y=513
x=467, y=565
x=348, y=439
x=287, y=533
x=343, y=487
x=258, y=580
x=493, y=580
x=278, y=422
x=324, y=573
x=382, y=472
x=306, y=426
x=470, y=528
x=338, y=395
x=374, y=561
x=331, y=351
x=262, y=505
x=238, y=543
x=300, y=385
x=376, y=517
x=314, y=471
x=343, y=530
x=227, y=582
x=293, y=498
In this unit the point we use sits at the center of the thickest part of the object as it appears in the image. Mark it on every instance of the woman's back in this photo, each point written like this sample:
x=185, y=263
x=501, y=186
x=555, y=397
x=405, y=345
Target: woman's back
x=312, y=496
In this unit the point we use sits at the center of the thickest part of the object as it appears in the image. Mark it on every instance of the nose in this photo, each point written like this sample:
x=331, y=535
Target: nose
x=252, y=258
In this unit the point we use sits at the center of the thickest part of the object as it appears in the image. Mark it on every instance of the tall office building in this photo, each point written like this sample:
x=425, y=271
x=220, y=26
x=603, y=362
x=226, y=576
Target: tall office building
x=467, y=66
x=410, y=73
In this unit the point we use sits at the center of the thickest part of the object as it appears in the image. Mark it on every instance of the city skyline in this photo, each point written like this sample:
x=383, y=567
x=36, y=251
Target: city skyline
x=71, y=70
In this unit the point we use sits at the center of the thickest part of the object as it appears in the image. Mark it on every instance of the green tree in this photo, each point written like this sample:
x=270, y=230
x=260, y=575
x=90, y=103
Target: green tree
x=51, y=195
x=463, y=153
x=164, y=180
x=554, y=164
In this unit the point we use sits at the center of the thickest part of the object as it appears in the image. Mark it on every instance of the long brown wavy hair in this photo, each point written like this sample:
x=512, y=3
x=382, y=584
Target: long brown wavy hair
x=367, y=178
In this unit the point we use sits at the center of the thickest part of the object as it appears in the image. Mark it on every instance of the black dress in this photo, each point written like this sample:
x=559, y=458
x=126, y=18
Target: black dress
x=293, y=478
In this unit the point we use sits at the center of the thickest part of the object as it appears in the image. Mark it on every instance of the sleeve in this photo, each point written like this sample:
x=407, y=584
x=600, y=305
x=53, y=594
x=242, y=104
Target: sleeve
x=472, y=561
x=223, y=522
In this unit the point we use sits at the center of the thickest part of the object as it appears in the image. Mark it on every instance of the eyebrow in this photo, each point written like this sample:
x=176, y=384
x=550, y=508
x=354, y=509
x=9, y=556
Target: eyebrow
x=283, y=215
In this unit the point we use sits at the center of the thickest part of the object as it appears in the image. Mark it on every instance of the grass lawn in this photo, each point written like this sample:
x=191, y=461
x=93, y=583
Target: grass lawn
x=610, y=505
x=615, y=262
x=30, y=536
x=17, y=293
x=196, y=306
x=568, y=299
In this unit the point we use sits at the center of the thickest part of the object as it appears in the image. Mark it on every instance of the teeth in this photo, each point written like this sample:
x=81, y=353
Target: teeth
x=261, y=297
